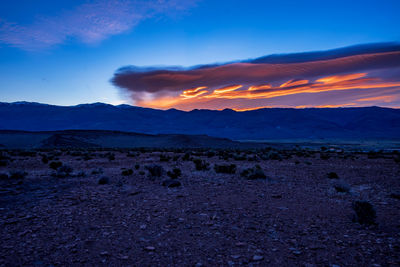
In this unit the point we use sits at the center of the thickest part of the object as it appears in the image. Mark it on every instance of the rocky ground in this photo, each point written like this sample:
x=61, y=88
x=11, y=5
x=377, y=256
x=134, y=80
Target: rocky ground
x=294, y=217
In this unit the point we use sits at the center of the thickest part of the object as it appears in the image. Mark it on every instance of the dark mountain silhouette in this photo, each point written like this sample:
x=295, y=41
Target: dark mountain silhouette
x=113, y=139
x=262, y=124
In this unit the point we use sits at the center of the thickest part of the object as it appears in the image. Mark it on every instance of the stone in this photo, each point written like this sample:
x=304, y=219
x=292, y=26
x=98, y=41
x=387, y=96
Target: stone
x=258, y=258
x=150, y=248
x=171, y=183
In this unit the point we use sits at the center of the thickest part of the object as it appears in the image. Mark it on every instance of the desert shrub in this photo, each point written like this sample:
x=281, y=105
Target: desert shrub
x=186, y=157
x=137, y=166
x=3, y=163
x=297, y=162
x=239, y=157
x=81, y=174
x=104, y=180
x=3, y=155
x=55, y=165
x=63, y=171
x=127, y=172
x=210, y=154
x=341, y=186
x=225, y=168
x=324, y=156
x=395, y=195
x=201, y=165
x=176, y=158
x=332, y=175
x=110, y=156
x=373, y=155
x=97, y=171
x=175, y=173
x=155, y=170
x=253, y=173
x=274, y=155
x=142, y=173
x=164, y=158
x=27, y=153
x=252, y=158
x=131, y=154
x=45, y=159
x=365, y=212
x=171, y=183
x=18, y=175
x=3, y=176
x=87, y=156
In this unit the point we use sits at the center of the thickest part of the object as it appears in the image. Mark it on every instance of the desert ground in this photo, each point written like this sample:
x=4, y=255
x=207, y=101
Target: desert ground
x=141, y=207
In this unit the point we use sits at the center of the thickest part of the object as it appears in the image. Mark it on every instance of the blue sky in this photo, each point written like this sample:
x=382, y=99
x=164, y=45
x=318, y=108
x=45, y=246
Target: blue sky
x=66, y=52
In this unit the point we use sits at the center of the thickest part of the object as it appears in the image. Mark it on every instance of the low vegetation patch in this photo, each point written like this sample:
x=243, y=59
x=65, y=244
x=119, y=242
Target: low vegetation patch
x=104, y=180
x=364, y=212
x=55, y=165
x=127, y=172
x=155, y=170
x=341, y=186
x=18, y=175
x=171, y=183
x=164, y=158
x=175, y=173
x=225, y=168
x=332, y=175
x=63, y=171
x=201, y=165
x=253, y=173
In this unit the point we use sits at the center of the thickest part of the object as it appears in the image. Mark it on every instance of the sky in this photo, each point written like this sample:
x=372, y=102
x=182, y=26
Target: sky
x=189, y=54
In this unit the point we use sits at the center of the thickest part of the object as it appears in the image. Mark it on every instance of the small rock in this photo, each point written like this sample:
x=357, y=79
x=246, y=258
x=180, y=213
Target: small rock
x=296, y=252
x=104, y=253
x=240, y=244
x=150, y=248
x=258, y=258
x=171, y=183
x=104, y=180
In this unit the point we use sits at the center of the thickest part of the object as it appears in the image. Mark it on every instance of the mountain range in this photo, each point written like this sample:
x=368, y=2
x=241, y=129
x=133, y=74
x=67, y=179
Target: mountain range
x=261, y=124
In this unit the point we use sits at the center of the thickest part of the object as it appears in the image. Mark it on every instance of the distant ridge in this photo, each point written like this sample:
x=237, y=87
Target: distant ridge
x=261, y=124
x=111, y=139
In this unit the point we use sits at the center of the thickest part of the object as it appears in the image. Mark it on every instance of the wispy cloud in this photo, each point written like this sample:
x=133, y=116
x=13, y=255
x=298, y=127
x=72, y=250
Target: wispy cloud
x=90, y=22
x=259, y=83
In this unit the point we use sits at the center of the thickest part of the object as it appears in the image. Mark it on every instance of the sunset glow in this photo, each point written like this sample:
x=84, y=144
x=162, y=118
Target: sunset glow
x=353, y=80
x=198, y=95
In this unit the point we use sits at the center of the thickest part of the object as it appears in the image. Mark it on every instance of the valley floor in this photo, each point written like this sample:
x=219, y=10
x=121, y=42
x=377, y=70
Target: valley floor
x=294, y=217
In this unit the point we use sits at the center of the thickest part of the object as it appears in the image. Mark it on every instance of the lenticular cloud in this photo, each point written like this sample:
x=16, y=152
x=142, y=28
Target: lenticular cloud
x=277, y=80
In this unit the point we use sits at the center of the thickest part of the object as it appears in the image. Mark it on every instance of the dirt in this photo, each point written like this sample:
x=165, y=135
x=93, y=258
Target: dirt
x=295, y=217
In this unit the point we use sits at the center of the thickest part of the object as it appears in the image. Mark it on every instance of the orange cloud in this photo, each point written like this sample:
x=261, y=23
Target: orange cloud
x=384, y=98
x=190, y=93
x=329, y=106
x=260, y=87
x=293, y=83
x=325, y=84
x=340, y=78
x=364, y=77
x=227, y=89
